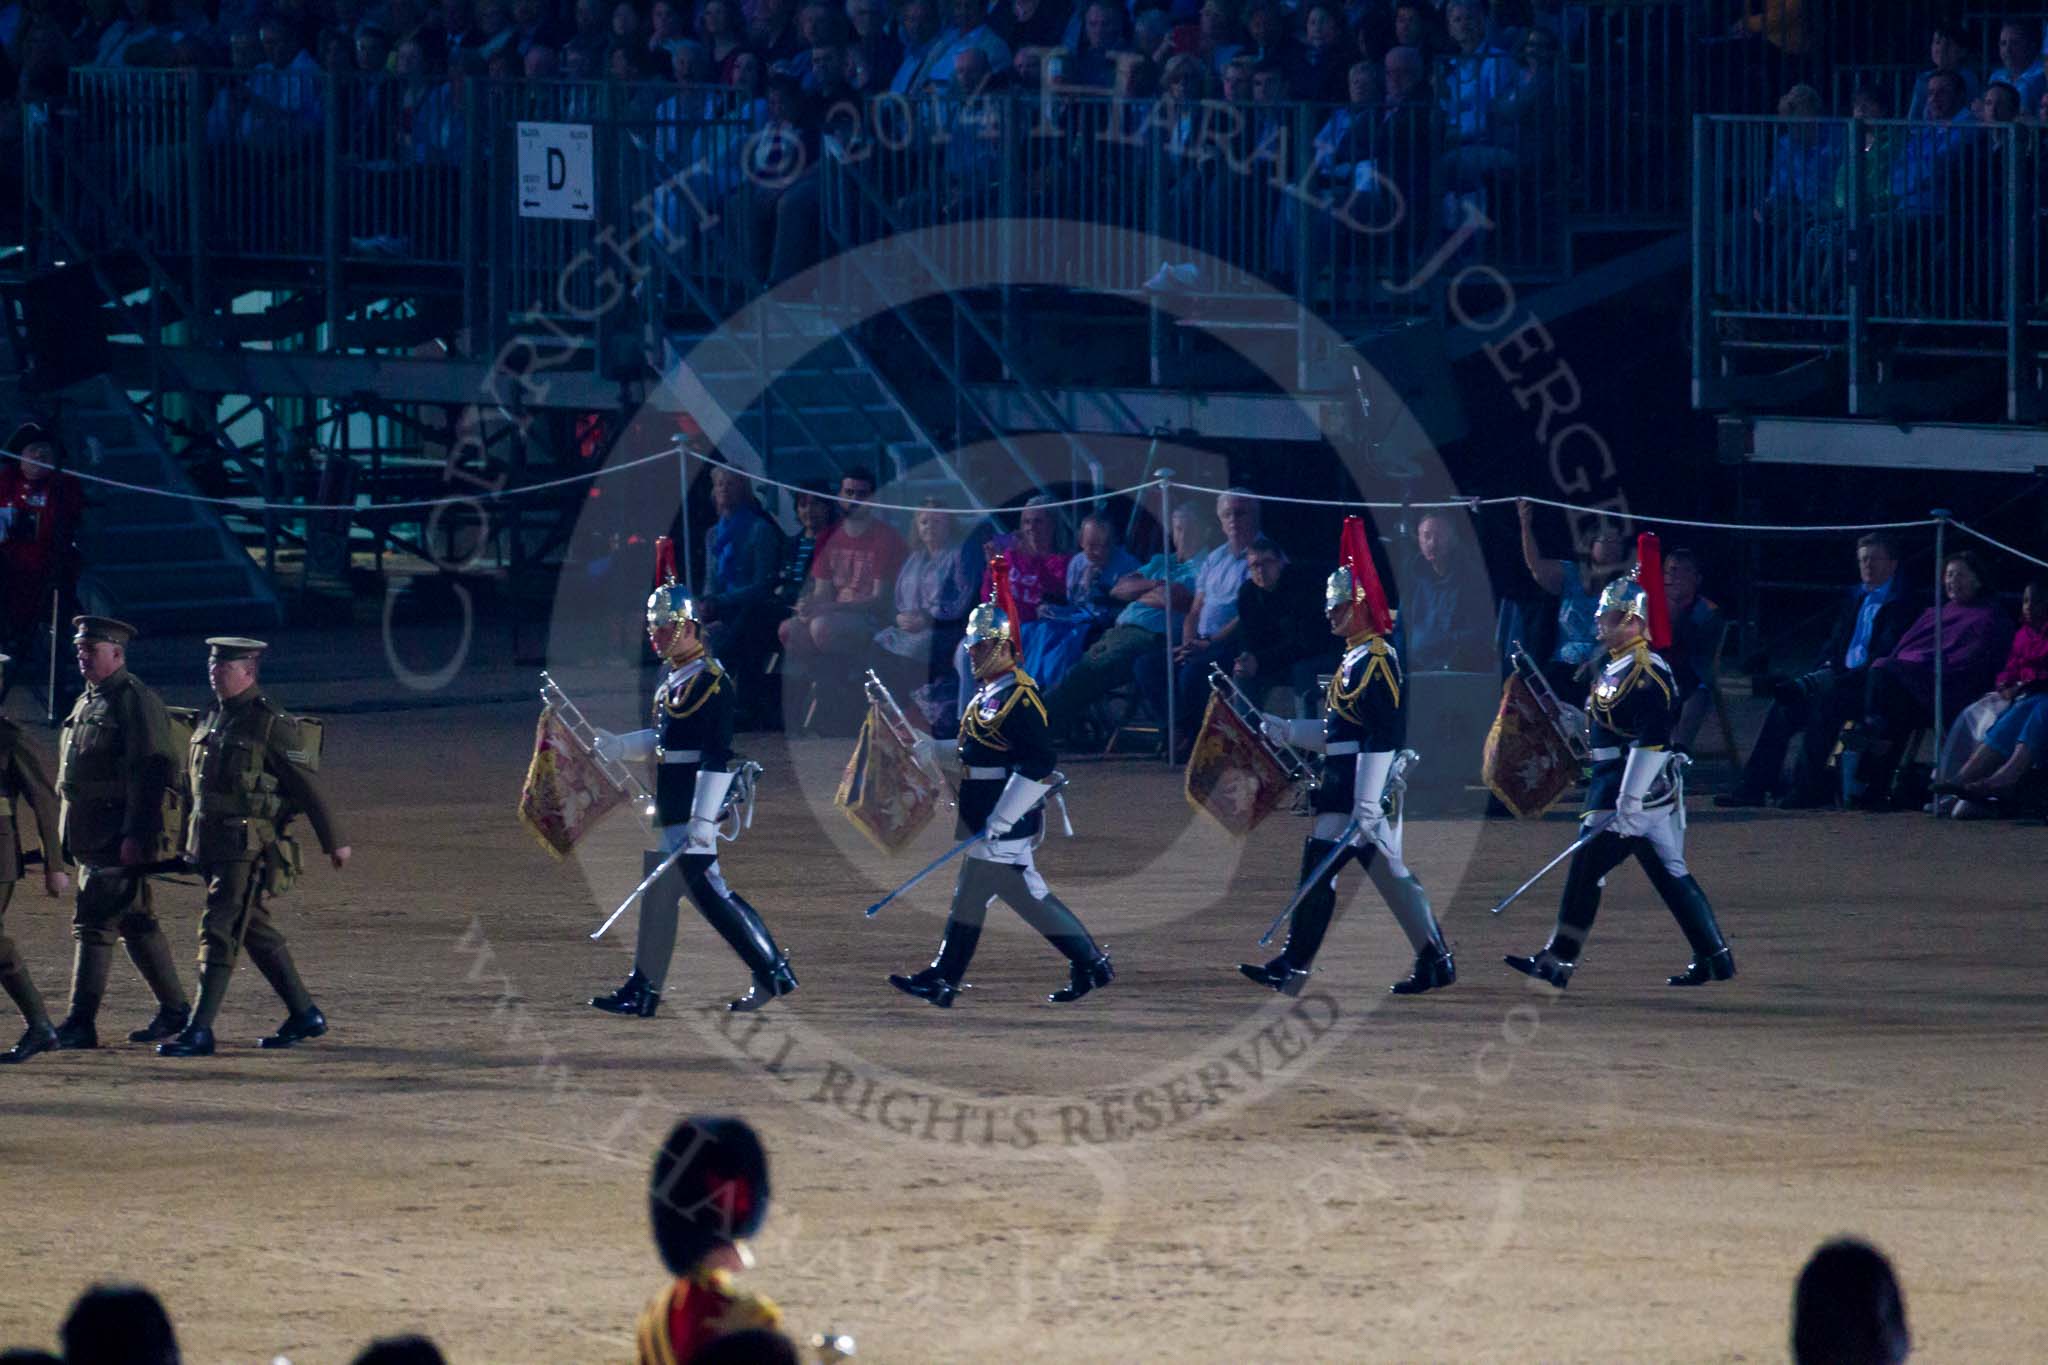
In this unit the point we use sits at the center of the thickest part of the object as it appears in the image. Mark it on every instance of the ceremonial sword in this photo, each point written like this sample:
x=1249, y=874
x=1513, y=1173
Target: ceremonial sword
x=1329, y=861
x=1598, y=827
x=955, y=851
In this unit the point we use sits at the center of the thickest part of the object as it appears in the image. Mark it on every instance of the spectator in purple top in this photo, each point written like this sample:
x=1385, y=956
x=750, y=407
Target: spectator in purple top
x=1899, y=693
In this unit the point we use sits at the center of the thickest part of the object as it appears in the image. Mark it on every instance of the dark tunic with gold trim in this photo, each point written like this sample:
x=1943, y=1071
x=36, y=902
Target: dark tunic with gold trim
x=693, y=712
x=1004, y=728
x=1366, y=712
x=1633, y=705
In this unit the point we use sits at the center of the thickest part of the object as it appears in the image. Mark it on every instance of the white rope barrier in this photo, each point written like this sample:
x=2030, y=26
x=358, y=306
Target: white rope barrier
x=1339, y=504
x=2017, y=554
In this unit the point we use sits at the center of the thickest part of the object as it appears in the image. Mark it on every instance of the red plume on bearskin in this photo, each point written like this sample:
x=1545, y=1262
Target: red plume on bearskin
x=1650, y=578
x=999, y=593
x=664, y=561
x=1355, y=554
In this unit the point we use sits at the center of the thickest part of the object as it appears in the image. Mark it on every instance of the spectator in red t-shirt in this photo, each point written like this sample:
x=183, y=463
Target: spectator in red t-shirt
x=39, y=509
x=851, y=592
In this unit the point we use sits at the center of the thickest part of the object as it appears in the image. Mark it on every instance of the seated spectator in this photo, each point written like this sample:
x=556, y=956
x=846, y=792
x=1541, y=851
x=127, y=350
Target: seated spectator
x=2000, y=103
x=742, y=552
x=1847, y=1309
x=1209, y=635
x=1063, y=630
x=849, y=594
x=1946, y=51
x=1038, y=578
x=1446, y=602
x=970, y=29
x=1867, y=627
x=1156, y=599
x=1899, y=693
x=933, y=596
x=2021, y=684
x=872, y=40
x=1317, y=70
x=1475, y=81
x=2019, y=58
x=140, y=24
x=1211, y=40
x=1696, y=625
x=401, y=1351
x=2001, y=763
x=707, y=1195
x=1093, y=573
x=1577, y=584
x=917, y=24
x=1282, y=630
x=118, y=1324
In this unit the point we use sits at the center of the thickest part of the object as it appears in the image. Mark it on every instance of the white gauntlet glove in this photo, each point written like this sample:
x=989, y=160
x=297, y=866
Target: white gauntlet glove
x=1643, y=768
x=1300, y=734
x=632, y=747
x=706, y=801
x=1020, y=797
x=1367, y=789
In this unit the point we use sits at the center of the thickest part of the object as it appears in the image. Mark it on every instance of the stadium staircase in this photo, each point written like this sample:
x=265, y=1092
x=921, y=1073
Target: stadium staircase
x=163, y=562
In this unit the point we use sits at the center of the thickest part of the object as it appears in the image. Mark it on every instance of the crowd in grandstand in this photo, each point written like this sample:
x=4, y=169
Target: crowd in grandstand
x=1102, y=629
x=1291, y=128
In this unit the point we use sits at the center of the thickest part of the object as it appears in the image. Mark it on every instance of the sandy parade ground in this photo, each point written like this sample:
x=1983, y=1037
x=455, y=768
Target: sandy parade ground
x=1181, y=1167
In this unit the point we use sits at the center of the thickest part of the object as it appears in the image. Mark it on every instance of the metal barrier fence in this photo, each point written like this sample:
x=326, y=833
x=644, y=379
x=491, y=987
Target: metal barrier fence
x=1853, y=236
x=1628, y=108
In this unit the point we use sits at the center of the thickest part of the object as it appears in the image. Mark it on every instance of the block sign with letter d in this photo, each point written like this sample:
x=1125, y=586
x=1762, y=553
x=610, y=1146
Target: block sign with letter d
x=555, y=171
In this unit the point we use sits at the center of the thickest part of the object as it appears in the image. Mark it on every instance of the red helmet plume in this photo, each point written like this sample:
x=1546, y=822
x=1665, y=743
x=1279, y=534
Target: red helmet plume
x=1357, y=580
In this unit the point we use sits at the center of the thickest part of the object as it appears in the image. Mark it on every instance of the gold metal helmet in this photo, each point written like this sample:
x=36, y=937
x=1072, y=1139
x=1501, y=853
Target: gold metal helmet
x=995, y=618
x=1340, y=589
x=988, y=622
x=1625, y=595
x=670, y=605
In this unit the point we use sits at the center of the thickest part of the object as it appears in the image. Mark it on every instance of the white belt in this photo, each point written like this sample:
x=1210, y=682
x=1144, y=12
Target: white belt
x=678, y=755
x=1342, y=746
x=986, y=774
x=1605, y=753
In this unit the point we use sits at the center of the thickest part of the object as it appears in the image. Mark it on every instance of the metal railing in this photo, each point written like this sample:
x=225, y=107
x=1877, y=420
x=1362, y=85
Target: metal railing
x=336, y=179
x=1861, y=238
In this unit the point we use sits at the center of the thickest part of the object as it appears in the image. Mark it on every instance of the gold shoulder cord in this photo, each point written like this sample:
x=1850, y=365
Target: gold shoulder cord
x=988, y=733
x=712, y=676
x=1344, y=702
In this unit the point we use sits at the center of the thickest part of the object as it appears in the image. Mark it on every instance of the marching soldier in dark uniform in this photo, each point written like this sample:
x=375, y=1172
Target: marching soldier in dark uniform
x=1363, y=729
x=690, y=745
x=249, y=769
x=22, y=778
x=115, y=766
x=1006, y=758
x=1636, y=789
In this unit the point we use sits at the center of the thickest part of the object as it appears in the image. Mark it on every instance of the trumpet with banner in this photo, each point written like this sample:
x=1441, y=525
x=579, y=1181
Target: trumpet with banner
x=891, y=788
x=1237, y=773
x=1536, y=747
x=570, y=784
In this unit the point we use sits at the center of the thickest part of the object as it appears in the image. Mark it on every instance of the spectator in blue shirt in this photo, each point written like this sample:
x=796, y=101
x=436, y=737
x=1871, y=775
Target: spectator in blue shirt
x=1209, y=633
x=1156, y=597
x=1871, y=619
x=1946, y=51
x=2019, y=54
x=1446, y=602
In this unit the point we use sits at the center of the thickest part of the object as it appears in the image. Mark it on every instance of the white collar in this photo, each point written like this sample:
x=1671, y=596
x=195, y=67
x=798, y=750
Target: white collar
x=687, y=671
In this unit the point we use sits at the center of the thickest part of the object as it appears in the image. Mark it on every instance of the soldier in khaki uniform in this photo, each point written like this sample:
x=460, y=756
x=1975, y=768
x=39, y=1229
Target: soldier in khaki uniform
x=249, y=779
x=114, y=766
x=22, y=776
